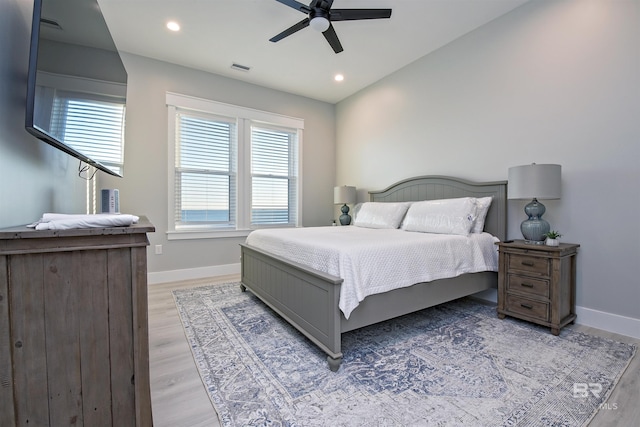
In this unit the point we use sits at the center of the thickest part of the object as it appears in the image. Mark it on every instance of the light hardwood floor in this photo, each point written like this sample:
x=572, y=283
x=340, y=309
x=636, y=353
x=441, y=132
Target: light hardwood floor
x=179, y=398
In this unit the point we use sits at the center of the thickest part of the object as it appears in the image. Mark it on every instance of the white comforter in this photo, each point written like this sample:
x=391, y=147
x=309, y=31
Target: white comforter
x=372, y=261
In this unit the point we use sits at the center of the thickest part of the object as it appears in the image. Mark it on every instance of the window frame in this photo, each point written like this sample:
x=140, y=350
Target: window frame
x=231, y=171
x=292, y=164
x=246, y=117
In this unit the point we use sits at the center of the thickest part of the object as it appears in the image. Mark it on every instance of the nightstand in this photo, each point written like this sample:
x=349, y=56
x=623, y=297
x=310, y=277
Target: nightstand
x=538, y=283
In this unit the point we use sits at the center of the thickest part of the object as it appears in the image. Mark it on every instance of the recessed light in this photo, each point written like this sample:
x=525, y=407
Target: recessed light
x=338, y=77
x=173, y=26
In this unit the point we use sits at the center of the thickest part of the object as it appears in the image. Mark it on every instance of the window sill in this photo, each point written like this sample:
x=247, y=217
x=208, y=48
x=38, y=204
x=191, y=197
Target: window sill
x=206, y=234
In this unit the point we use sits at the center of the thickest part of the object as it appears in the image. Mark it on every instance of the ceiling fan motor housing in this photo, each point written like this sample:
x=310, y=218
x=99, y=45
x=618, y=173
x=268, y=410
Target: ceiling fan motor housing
x=319, y=19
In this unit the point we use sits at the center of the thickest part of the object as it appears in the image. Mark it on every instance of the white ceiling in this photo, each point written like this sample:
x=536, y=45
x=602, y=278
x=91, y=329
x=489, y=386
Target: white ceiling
x=218, y=33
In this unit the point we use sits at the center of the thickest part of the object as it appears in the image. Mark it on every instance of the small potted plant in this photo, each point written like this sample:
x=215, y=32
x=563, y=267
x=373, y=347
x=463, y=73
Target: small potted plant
x=552, y=238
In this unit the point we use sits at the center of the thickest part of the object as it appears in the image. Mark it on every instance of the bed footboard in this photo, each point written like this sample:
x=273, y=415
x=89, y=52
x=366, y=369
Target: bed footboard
x=307, y=299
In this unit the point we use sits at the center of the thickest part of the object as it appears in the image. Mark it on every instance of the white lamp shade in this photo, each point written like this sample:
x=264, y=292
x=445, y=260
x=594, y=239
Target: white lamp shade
x=534, y=181
x=344, y=194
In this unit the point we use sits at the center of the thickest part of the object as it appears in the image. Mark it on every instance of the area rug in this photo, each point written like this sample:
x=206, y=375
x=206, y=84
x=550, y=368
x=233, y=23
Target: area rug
x=455, y=364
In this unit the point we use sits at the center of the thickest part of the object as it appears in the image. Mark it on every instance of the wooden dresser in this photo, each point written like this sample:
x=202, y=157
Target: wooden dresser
x=538, y=283
x=74, y=344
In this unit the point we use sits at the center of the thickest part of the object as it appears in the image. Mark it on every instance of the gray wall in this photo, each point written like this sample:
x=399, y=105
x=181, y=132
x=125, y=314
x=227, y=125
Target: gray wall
x=144, y=188
x=34, y=177
x=550, y=82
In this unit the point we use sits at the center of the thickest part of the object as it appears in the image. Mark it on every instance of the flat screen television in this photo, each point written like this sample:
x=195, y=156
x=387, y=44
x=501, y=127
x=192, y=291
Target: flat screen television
x=76, y=88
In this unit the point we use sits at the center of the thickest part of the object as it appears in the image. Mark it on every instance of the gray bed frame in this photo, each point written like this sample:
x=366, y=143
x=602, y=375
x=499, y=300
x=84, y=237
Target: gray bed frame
x=308, y=298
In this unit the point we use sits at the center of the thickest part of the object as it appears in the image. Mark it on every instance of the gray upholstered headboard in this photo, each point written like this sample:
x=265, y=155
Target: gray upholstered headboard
x=444, y=187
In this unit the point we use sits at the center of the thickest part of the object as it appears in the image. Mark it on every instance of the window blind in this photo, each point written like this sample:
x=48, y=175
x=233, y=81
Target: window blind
x=76, y=117
x=205, y=173
x=273, y=176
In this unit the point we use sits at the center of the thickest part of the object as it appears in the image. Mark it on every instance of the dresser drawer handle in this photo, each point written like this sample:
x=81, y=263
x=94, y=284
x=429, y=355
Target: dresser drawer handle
x=527, y=306
x=528, y=263
x=527, y=285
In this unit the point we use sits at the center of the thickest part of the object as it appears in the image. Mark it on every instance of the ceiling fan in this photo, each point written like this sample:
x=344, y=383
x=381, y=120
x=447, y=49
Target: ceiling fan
x=320, y=16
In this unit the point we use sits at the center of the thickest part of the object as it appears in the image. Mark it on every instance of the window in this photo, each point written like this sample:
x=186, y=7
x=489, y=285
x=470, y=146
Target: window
x=274, y=170
x=205, y=178
x=74, y=113
x=69, y=106
x=232, y=169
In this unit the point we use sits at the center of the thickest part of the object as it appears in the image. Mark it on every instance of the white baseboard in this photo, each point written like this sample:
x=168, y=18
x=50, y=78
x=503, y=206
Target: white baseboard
x=192, y=273
x=608, y=321
x=586, y=316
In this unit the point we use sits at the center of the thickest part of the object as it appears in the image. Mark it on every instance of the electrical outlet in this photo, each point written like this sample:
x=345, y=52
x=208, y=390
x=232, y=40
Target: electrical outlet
x=158, y=249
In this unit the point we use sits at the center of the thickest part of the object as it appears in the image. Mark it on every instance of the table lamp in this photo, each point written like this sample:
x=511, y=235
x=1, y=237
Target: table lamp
x=534, y=182
x=344, y=195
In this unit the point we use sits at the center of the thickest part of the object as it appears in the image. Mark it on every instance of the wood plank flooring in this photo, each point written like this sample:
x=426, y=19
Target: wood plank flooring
x=179, y=398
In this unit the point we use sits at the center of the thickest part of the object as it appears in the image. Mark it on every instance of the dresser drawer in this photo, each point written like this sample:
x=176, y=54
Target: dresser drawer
x=528, y=285
x=528, y=307
x=531, y=264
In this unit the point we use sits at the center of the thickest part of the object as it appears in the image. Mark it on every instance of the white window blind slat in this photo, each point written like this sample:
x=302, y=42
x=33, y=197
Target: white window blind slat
x=273, y=176
x=94, y=127
x=205, y=178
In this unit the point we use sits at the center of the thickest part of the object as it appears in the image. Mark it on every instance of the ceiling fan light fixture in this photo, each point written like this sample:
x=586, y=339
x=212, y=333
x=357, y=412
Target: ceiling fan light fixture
x=319, y=23
x=319, y=18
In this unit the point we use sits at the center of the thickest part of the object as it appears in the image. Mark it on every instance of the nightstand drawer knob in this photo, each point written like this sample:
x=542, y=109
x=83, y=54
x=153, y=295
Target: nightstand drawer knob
x=528, y=263
x=527, y=306
x=526, y=285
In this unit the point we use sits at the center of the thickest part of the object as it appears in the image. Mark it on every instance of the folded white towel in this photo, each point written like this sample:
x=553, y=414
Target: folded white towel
x=53, y=221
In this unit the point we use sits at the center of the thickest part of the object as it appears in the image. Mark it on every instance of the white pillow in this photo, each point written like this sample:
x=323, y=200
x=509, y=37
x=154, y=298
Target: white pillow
x=445, y=216
x=483, y=205
x=381, y=215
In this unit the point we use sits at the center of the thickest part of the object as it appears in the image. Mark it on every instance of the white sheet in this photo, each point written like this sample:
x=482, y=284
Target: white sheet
x=55, y=221
x=373, y=261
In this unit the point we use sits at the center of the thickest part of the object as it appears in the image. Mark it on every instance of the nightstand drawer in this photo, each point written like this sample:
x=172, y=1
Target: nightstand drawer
x=528, y=285
x=527, y=307
x=531, y=264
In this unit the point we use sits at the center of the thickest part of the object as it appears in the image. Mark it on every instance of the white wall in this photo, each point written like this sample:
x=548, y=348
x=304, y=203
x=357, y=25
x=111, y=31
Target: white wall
x=144, y=188
x=550, y=82
x=34, y=177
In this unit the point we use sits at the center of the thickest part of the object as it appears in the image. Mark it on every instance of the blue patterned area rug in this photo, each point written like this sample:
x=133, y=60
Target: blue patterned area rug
x=456, y=364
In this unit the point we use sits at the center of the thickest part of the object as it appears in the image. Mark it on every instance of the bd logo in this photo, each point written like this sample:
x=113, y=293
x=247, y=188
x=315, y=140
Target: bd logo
x=583, y=390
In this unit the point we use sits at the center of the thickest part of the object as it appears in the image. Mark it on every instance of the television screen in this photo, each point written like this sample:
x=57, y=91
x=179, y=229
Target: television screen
x=76, y=89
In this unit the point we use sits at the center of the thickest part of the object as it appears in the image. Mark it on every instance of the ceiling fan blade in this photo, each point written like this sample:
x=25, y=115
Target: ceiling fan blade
x=332, y=38
x=296, y=5
x=355, y=14
x=294, y=28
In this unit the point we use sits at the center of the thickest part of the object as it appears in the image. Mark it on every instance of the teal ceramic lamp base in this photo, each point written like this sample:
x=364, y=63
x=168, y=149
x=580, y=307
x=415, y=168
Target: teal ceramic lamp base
x=534, y=228
x=345, y=218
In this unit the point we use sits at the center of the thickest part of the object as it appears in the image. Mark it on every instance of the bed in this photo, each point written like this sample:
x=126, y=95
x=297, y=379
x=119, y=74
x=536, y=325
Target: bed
x=309, y=298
